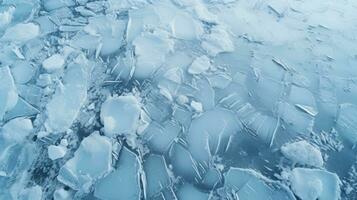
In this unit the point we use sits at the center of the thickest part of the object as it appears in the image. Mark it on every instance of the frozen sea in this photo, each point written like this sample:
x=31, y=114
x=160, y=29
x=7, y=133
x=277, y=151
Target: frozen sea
x=178, y=100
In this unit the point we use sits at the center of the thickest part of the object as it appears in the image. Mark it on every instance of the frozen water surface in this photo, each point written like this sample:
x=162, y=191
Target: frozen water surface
x=178, y=99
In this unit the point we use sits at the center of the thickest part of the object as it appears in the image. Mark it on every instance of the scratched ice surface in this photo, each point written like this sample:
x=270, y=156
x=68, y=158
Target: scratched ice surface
x=178, y=99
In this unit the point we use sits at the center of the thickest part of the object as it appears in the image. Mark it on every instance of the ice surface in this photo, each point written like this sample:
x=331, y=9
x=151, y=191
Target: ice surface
x=8, y=91
x=53, y=63
x=302, y=152
x=178, y=99
x=17, y=33
x=92, y=160
x=56, y=152
x=120, y=115
x=123, y=182
x=248, y=184
x=315, y=184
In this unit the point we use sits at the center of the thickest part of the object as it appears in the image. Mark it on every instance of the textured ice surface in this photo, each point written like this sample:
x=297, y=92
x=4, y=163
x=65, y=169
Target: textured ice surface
x=178, y=99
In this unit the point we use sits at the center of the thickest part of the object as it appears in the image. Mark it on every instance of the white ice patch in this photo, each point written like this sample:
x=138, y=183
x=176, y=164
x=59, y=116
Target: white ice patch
x=310, y=184
x=200, y=65
x=302, y=152
x=53, y=63
x=151, y=50
x=16, y=33
x=56, y=152
x=120, y=115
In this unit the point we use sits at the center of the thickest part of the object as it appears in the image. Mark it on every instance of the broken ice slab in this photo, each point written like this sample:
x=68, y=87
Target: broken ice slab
x=156, y=175
x=54, y=4
x=151, y=50
x=56, y=152
x=17, y=34
x=8, y=91
x=109, y=30
x=183, y=163
x=303, y=153
x=21, y=109
x=53, y=63
x=185, y=26
x=303, y=99
x=22, y=71
x=160, y=136
x=217, y=41
x=188, y=192
x=91, y=161
x=297, y=121
x=69, y=96
x=310, y=184
x=199, y=65
x=124, y=182
x=16, y=130
x=247, y=184
x=347, y=122
x=32, y=193
x=212, y=179
x=260, y=125
x=210, y=134
x=120, y=115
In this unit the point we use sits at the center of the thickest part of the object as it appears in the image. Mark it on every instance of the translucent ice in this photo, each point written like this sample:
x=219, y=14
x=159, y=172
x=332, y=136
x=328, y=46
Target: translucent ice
x=91, y=161
x=123, y=182
x=315, y=184
x=120, y=115
x=303, y=153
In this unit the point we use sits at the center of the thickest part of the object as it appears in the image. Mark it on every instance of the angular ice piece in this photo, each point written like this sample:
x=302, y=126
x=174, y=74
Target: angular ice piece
x=8, y=91
x=156, y=175
x=69, y=97
x=22, y=71
x=210, y=134
x=182, y=162
x=91, y=161
x=212, y=178
x=6, y=16
x=137, y=23
x=120, y=115
x=199, y=65
x=260, y=125
x=110, y=32
x=151, y=50
x=160, y=136
x=188, y=192
x=55, y=4
x=123, y=182
x=197, y=106
x=184, y=26
x=303, y=99
x=56, y=152
x=248, y=184
x=33, y=193
x=299, y=121
x=53, y=63
x=310, y=184
x=21, y=33
x=303, y=153
x=62, y=194
x=347, y=122
x=218, y=41
x=115, y=5
x=17, y=129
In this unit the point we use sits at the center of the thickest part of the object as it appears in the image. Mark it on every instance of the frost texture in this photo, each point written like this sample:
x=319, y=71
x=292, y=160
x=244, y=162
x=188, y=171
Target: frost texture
x=178, y=99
